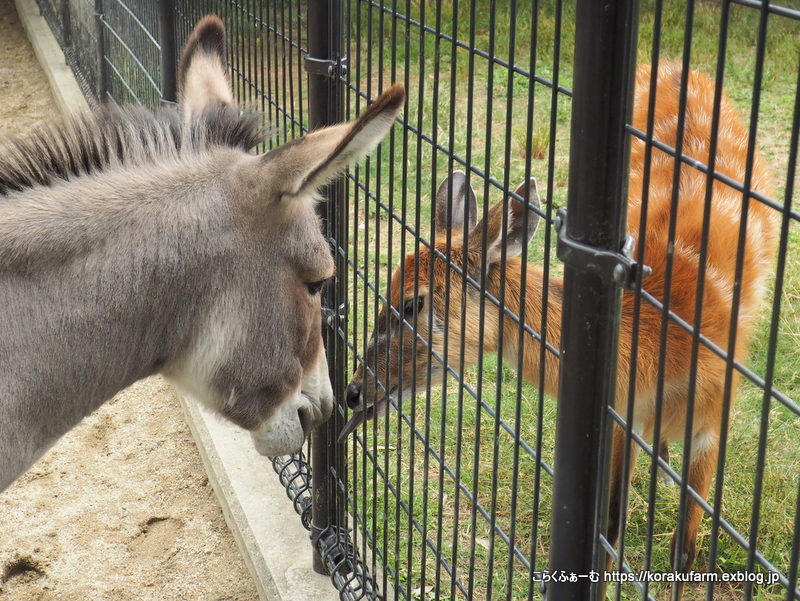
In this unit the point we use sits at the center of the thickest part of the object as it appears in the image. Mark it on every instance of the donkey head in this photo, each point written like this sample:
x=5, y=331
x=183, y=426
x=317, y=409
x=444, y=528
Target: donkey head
x=396, y=357
x=258, y=357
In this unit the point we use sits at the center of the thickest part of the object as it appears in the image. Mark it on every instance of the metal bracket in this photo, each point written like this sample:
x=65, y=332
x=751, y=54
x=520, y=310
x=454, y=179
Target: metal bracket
x=329, y=315
x=326, y=67
x=620, y=267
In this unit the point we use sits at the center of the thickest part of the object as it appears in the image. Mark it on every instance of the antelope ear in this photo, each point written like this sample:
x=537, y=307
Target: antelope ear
x=203, y=71
x=455, y=200
x=303, y=166
x=515, y=236
x=529, y=193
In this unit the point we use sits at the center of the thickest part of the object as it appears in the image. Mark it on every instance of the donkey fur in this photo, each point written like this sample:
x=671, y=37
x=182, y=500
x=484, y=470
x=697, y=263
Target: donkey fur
x=133, y=244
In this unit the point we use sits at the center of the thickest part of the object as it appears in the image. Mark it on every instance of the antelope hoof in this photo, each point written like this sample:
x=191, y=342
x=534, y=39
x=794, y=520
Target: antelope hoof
x=665, y=478
x=686, y=559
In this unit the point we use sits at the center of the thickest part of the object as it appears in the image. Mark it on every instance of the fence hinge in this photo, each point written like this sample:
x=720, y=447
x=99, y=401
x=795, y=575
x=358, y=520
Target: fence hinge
x=329, y=315
x=330, y=68
x=620, y=267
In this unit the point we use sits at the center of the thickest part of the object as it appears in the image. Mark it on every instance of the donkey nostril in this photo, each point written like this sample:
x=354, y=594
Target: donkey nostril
x=352, y=395
x=305, y=420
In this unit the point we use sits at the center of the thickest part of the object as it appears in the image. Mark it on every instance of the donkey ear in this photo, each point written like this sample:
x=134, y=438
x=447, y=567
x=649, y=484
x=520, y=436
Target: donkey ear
x=450, y=214
x=202, y=71
x=516, y=234
x=303, y=166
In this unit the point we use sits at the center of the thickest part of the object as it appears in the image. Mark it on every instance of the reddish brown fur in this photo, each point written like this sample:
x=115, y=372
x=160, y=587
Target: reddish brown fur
x=760, y=246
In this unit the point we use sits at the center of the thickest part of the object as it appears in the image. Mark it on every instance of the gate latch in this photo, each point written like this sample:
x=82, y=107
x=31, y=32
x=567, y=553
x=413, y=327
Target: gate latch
x=330, y=68
x=620, y=267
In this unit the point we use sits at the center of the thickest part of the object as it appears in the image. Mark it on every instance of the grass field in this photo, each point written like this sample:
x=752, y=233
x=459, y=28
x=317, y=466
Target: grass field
x=481, y=114
x=467, y=107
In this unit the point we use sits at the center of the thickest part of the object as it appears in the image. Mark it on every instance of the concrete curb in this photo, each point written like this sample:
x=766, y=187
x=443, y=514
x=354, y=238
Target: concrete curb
x=273, y=542
x=268, y=532
x=66, y=91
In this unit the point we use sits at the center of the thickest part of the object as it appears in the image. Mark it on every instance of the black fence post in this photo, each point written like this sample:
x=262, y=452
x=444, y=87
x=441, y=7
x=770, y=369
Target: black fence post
x=100, y=36
x=66, y=24
x=325, y=107
x=605, y=43
x=169, y=59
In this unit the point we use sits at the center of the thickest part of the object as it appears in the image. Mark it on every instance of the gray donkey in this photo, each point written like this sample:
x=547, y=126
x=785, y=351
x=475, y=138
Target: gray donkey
x=134, y=243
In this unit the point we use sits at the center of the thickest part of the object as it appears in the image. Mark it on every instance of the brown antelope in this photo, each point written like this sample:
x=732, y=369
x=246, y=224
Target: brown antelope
x=134, y=243
x=370, y=393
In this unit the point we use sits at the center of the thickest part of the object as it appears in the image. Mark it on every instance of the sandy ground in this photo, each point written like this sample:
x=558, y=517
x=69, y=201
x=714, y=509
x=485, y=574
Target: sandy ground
x=120, y=508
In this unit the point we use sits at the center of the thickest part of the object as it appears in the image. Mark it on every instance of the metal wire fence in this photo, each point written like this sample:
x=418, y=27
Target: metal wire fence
x=477, y=483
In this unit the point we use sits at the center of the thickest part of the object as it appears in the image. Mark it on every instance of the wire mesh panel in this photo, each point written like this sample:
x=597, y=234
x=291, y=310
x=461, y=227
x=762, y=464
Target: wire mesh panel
x=73, y=24
x=132, y=51
x=444, y=330
x=81, y=53
x=112, y=47
x=449, y=494
x=705, y=353
x=54, y=12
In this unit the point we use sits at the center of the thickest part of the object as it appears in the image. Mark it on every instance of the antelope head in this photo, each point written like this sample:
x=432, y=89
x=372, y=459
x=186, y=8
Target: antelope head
x=427, y=291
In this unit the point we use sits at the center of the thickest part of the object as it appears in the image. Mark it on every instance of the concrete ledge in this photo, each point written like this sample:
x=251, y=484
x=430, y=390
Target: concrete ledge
x=66, y=91
x=273, y=542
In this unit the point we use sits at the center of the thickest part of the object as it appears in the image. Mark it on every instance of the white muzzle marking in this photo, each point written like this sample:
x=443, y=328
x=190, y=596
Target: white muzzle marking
x=283, y=432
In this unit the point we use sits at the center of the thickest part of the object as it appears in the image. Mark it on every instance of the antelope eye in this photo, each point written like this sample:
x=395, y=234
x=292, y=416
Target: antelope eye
x=315, y=287
x=413, y=304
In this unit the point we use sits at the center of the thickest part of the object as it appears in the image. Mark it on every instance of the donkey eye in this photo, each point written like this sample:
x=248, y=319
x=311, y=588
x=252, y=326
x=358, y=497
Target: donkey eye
x=315, y=287
x=413, y=304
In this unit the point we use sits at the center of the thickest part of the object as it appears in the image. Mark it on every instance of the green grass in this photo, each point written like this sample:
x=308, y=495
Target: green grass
x=492, y=132
x=498, y=142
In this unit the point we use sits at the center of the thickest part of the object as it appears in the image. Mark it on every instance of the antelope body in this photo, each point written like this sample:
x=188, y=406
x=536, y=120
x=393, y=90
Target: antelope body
x=133, y=244
x=381, y=374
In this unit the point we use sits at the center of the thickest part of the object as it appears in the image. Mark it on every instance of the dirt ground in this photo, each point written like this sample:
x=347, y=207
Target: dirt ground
x=120, y=508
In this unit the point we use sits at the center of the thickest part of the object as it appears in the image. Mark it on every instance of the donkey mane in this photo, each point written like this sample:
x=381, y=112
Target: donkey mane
x=119, y=137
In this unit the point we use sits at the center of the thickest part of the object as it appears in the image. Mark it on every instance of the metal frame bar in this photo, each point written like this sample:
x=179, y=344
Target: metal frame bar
x=325, y=108
x=169, y=53
x=603, y=78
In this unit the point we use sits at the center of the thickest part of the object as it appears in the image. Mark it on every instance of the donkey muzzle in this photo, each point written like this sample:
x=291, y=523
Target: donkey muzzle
x=286, y=430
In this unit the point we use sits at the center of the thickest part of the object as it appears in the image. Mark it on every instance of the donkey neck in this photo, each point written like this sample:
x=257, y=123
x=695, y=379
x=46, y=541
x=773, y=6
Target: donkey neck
x=102, y=281
x=119, y=137
x=129, y=211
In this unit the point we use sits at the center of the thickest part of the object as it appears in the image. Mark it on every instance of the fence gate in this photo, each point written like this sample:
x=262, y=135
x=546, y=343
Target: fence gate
x=459, y=322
